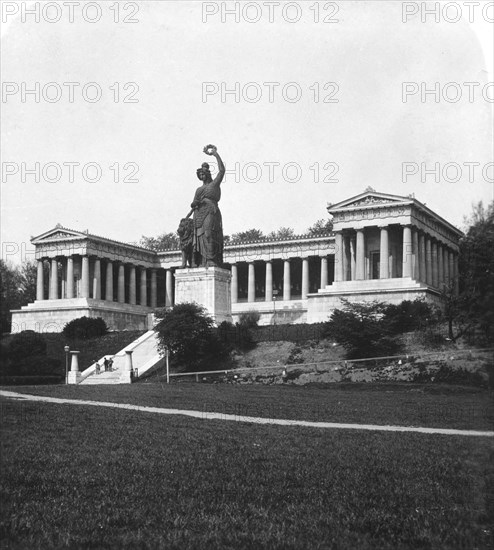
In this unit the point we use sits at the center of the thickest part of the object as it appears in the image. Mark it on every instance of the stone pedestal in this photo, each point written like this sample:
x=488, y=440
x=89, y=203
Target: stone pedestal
x=126, y=374
x=74, y=376
x=207, y=286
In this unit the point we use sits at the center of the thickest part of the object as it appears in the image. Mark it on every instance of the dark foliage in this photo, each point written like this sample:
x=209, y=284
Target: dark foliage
x=188, y=332
x=26, y=344
x=409, y=316
x=85, y=328
x=362, y=330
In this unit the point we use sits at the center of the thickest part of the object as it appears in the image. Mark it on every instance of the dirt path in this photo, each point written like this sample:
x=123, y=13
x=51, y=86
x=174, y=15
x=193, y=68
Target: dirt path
x=203, y=415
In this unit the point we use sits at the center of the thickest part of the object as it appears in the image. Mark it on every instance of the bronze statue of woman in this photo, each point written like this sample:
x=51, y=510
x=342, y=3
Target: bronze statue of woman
x=208, y=226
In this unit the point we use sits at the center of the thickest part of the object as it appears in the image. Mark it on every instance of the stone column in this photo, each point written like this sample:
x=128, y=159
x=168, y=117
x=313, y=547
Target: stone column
x=109, y=282
x=85, y=277
x=40, y=283
x=440, y=265
x=144, y=287
x=234, y=286
x=132, y=285
x=305, y=278
x=154, y=288
x=70, y=277
x=428, y=260
x=384, y=254
x=353, y=259
x=97, y=279
x=407, y=268
x=121, y=284
x=415, y=249
x=169, y=289
x=63, y=290
x=434, y=264
x=251, y=284
x=324, y=272
x=269, y=282
x=360, y=270
x=338, y=258
x=446, y=266
x=287, y=286
x=422, y=268
x=54, y=279
x=455, y=271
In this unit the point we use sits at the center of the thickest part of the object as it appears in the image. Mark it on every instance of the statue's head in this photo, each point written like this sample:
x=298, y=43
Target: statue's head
x=203, y=172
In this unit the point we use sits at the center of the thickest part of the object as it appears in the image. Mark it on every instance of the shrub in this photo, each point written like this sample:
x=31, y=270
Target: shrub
x=360, y=328
x=37, y=366
x=26, y=344
x=409, y=316
x=249, y=319
x=188, y=332
x=85, y=328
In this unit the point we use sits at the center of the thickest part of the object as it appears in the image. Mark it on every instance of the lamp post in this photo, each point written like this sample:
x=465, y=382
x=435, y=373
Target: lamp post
x=66, y=349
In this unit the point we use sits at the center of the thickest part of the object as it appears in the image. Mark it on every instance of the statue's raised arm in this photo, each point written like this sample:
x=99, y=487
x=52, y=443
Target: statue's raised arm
x=212, y=150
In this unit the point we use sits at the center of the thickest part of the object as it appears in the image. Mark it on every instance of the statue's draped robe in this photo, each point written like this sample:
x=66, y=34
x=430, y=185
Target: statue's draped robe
x=208, y=226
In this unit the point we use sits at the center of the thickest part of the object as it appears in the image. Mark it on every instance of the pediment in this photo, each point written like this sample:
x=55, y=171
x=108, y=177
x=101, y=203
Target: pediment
x=370, y=198
x=58, y=234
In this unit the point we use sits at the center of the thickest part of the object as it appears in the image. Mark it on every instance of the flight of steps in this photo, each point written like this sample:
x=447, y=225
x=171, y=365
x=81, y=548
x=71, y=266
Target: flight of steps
x=144, y=358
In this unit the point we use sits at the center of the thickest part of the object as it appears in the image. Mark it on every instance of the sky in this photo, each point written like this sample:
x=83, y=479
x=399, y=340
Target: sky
x=332, y=98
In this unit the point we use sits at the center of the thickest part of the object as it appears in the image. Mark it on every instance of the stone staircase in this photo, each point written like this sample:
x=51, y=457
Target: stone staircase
x=145, y=357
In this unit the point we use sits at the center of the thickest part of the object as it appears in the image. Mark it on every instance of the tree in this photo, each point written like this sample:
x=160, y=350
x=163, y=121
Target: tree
x=84, y=328
x=474, y=307
x=246, y=236
x=361, y=329
x=10, y=293
x=282, y=233
x=161, y=242
x=29, y=275
x=188, y=333
x=320, y=227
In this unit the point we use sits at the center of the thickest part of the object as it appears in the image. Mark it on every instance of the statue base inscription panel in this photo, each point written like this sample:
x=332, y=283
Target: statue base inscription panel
x=207, y=286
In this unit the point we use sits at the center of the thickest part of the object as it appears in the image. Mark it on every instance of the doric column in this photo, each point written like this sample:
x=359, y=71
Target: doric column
x=54, y=279
x=353, y=258
x=251, y=284
x=434, y=264
x=422, y=268
x=85, y=277
x=234, y=287
x=40, y=283
x=360, y=253
x=428, y=260
x=287, y=286
x=440, y=265
x=407, y=252
x=109, y=282
x=63, y=290
x=446, y=266
x=415, y=249
x=169, y=289
x=338, y=257
x=384, y=254
x=144, y=287
x=132, y=285
x=121, y=284
x=455, y=266
x=97, y=279
x=70, y=277
x=269, y=282
x=305, y=278
x=154, y=288
x=324, y=272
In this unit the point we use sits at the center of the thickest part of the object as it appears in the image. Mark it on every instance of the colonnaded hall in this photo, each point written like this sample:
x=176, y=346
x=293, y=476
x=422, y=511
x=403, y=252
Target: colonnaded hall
x=382, y=247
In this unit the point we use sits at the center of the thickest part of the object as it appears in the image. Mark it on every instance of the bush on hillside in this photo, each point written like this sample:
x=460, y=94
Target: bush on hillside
x=85, y=328
x=188, y=333
x=26, y=344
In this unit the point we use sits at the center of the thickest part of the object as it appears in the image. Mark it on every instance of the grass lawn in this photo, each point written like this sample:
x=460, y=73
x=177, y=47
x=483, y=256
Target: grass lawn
x=404, y=404
x=84, y=477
